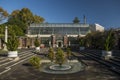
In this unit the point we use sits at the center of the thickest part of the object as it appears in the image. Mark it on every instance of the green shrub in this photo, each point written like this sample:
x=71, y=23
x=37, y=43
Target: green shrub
x=82, y=41
x=60, y=58
x=35, y=61
x=51, y=54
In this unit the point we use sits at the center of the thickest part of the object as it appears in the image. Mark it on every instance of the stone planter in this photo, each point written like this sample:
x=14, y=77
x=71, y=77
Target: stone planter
x=82, y=48
x=103, y=53
x=106, y=54
x=37, y=48
x=13, y=54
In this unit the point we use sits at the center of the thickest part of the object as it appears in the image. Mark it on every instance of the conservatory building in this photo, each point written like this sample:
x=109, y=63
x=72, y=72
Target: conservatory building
x=58, y=34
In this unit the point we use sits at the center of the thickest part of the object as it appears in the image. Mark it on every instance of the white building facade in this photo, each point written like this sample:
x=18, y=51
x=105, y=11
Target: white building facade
x=60, y=34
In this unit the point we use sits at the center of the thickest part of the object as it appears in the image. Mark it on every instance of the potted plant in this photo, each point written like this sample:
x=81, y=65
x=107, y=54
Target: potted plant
x=82, y=43
x=12, y=45
x=108, y=45
x=37, y=44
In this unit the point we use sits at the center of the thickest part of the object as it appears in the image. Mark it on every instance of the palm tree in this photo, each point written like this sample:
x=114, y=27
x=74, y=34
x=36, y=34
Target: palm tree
x=109, y=43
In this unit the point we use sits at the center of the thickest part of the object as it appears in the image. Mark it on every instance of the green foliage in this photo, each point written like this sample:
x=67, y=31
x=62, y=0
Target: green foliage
x=76, y=20
x=82, y=41
x=26, y=16
x=35, y=61
x=94, y=39
x=20, y=24
x=3, y=14
x=38, y=19
x=109, y=41
x=101, y=40
x=36, y=42
x=68, y=52
x=2, y=29
x=13, y=42
x=17, y=30
x=20, y=20
x=23, y=18
x=60, y=58
x=11, y=28
x=51, y=54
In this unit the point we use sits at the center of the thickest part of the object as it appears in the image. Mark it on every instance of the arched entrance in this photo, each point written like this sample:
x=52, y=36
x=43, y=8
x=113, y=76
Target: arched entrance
x=59, y=43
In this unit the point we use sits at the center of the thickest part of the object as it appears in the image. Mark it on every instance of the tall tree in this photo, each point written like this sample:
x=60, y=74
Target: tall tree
x=15, y=14
x=26, y=16
x=23, y=18
x=76, y=20
x=17, y=30
x=38, y=19
x=3, y=14
x=17, y=22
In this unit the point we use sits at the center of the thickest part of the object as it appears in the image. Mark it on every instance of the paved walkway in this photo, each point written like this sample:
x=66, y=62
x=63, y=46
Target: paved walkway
x=94, y=71
x=6, y=64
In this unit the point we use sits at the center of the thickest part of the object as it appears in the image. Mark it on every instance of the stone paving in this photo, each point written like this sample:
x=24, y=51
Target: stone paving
x=94, y=71
x=26, y=72
x=7, y=63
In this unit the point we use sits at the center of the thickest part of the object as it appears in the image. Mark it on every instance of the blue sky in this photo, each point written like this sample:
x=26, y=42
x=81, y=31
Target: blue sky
x=104, y=12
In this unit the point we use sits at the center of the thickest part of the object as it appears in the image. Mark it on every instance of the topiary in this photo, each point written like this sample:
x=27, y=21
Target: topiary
x=51, y=54
x=35, y=61
x=60, y=58
x=36, y=42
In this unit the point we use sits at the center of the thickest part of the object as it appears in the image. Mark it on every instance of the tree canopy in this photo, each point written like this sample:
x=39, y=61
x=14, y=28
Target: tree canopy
x=23, y=18
x=76, y=20
x=3, y=14
x=26, y=16
x=19, y=20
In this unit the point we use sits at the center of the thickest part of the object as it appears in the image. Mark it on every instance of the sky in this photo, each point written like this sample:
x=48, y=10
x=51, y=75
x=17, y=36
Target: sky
x=103, y=12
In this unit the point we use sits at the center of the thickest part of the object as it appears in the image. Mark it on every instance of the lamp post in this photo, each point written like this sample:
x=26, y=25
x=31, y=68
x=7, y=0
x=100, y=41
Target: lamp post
x=6, y=36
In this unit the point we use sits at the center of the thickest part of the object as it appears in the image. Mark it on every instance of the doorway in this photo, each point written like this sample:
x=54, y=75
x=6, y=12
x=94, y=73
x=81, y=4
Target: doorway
x=59, y=43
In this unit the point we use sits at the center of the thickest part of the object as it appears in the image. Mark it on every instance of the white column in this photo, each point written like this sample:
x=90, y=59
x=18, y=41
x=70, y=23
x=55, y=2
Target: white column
x=6, y=36
x=69, y=43
x=50, y=43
